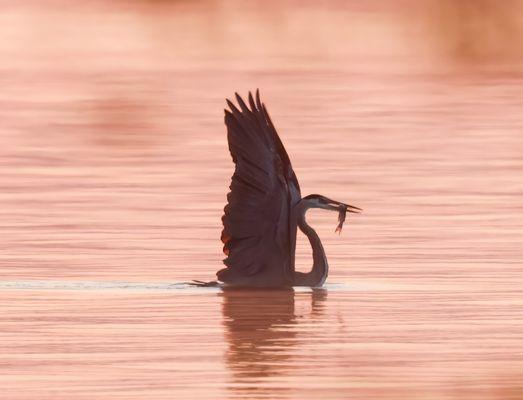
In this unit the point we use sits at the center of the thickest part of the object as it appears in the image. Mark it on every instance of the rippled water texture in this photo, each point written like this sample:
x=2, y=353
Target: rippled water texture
x=114, y=170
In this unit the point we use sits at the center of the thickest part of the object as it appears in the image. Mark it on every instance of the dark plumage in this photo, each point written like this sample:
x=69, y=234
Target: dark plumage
x=265, y=206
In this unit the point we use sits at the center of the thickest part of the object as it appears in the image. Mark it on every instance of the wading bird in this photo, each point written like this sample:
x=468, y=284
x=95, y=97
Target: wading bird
x=265, y=207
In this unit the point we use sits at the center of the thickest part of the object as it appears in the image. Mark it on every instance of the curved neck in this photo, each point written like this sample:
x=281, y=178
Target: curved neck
x=320, y=268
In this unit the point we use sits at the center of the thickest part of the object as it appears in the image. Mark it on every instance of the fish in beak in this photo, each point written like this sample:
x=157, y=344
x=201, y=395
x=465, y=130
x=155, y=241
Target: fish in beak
x=342, y=209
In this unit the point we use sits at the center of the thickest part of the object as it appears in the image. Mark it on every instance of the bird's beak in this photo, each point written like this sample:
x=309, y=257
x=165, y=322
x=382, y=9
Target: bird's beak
x=342, y=208
x=336, y=205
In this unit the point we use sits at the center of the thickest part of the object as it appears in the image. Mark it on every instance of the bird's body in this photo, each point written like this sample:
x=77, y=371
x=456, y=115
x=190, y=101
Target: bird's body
x=265, y=207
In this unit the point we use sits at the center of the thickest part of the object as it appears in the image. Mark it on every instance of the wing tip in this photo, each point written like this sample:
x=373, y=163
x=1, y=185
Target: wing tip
x=255, y=106
x=258, y=101
x=238, y=97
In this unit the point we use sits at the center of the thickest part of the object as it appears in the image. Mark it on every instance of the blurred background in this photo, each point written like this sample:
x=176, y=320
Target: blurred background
x=114, y=148
x=114, y=167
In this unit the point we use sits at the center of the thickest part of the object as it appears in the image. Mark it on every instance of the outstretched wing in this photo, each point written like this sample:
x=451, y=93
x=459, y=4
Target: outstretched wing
x=256, y=223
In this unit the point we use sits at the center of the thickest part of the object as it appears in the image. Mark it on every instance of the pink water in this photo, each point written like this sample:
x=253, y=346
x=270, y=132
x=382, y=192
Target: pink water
x=114, y=170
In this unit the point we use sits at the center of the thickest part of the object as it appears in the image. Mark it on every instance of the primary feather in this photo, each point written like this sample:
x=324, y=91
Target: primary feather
x=258, y=236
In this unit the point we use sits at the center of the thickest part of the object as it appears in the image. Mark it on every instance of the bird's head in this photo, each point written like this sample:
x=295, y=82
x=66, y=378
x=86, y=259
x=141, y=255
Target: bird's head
x=319, y=201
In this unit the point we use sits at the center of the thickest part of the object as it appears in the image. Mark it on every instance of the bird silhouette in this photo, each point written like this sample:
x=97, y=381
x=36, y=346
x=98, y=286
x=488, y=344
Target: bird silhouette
x=265, y=207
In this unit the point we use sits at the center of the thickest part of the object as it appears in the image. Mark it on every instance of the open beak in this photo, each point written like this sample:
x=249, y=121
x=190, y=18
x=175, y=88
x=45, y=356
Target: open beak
x=342, y=208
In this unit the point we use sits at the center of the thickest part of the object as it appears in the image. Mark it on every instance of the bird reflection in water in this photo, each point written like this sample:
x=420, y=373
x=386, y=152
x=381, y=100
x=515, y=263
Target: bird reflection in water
x=261, y=328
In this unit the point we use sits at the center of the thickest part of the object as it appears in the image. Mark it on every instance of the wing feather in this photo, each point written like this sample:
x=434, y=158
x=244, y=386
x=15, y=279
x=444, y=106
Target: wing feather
x=255, y=237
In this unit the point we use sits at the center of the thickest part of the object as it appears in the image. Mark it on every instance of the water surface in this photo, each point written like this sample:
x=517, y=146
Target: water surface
x=114, y=172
